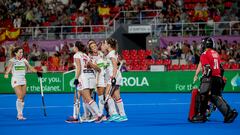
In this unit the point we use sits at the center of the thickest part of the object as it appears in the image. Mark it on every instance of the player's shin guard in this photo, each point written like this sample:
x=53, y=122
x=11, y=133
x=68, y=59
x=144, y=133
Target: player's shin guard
x=100, y=103
x=111, y=106
x=120, y=106
x=94, y=107
x=221, y=104
x=204, y=104
x=76, y=110
x=86, y=110
x=228, y=113
x=19, y=106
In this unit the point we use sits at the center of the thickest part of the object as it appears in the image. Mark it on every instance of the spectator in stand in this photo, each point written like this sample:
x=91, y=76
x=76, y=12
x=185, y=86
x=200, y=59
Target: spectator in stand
x=43, y=55
x=34, y=54
x=2, y=54
x=188, y=53
x=224, y=56
x=164, y=53
x=56, y=60
x=17, y=22
x=26, y=49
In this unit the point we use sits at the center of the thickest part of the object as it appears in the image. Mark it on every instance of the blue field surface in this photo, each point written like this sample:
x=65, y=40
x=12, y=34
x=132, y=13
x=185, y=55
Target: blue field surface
x=148, y=113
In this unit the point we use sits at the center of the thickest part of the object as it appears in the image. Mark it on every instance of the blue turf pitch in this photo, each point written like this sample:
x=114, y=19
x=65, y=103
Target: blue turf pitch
x=148, y=114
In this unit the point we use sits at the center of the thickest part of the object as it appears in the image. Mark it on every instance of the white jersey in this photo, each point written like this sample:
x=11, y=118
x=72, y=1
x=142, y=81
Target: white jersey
x=19, y=67
x=84, y=59
x=99, y=60
x=87, y=78
x=18, y=72
x=101, y=63
x=109, y=69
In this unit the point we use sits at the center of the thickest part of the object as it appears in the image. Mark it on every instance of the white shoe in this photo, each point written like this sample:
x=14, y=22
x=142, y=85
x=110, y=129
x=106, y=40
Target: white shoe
x=20, y=117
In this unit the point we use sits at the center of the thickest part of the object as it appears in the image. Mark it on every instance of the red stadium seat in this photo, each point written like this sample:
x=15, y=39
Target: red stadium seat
x=141, y=52
x=74, y=29
x=134, y=57
x=167, y=62
x=80, y=29
x=128, y=62
x=192, y=66
x=144, y=67
x=150, y=62
x=185, y=67
x=126, y=57
x=133, y=52
x=134, y=62
x=226, y=66
x=136, y=67
x=125, y=52
x=143, y=62
x=141, y=56
x=148, y=52
x=73, y=23
x=159, y=62
x=235, y=66
x=176, y=67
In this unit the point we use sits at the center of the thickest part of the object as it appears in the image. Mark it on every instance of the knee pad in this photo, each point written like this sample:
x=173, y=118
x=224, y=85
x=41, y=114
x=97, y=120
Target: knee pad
x=205, y=85
x=221, y=104
x=204, y=103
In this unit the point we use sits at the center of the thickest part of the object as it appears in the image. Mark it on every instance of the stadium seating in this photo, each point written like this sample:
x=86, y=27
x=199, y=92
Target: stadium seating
x=185, y=67
x=227, y=66
x=235, y=66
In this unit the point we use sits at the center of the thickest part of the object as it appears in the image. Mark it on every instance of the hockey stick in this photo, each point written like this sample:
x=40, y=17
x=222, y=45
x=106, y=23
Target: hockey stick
x=113, y=87
x=77, y=102
x=43, y=101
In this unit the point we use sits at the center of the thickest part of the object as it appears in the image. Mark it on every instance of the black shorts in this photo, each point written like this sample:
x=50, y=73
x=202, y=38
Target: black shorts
x=216, y=85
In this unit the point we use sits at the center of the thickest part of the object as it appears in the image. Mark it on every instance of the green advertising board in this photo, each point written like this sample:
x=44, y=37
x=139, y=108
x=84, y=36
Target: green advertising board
x=174, y=81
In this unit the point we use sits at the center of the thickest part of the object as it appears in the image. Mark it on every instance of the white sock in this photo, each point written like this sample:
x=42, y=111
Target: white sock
x=120, y=106
x=85, y=109
x=76, y=109
x=111, y=106
x=19, y=106
x=90, y=109
x=94, y=107
x=100, y=103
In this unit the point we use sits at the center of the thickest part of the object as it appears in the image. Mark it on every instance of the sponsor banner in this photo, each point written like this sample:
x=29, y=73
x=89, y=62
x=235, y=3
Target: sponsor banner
x=52, y=83
x=140, y=29
x=175, y=81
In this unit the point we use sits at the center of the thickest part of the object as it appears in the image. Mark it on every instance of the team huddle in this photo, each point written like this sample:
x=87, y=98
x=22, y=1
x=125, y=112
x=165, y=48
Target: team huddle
x=96, y=68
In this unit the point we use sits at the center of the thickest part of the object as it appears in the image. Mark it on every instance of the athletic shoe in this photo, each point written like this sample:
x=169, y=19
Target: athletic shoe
x=100, y=119
x=199, y=119
x=231, y=116
x=88, y=118
x=122, y=119
x=85, y=118
x=20, y=117
x=114, y=117
x=92, y=119
x=71, y=119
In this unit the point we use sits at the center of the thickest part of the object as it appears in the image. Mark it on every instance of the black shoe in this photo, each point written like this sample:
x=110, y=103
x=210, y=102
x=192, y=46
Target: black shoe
x=71, y=119
x=100, y=119
x=231, y=116
x=199, y=119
